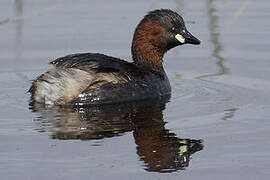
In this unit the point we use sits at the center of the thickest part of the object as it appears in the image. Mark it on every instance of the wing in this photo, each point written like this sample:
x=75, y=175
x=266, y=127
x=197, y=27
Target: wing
x=94, y=62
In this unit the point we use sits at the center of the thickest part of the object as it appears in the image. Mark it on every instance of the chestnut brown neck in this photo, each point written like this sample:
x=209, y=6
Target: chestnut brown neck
x=149, y=45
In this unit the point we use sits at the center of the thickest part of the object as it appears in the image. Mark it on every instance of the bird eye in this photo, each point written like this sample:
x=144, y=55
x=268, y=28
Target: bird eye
x=173, y=29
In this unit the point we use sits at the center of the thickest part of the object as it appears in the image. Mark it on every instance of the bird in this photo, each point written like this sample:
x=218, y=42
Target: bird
x=84, y=79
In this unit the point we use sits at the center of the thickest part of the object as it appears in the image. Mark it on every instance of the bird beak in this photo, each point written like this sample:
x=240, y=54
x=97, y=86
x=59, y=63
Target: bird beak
x=187, y=38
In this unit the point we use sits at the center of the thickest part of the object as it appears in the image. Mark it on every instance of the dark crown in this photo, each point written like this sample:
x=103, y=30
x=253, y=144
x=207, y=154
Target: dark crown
x=166, y=18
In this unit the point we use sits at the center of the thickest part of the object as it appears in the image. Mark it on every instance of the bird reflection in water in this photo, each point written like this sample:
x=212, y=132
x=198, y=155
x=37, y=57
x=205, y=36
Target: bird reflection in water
x=159, y=148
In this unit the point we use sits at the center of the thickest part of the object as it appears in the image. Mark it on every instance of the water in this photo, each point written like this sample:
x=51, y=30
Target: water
x=216, y=124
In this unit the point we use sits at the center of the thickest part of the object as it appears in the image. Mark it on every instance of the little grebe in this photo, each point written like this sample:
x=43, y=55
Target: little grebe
x=92, y=78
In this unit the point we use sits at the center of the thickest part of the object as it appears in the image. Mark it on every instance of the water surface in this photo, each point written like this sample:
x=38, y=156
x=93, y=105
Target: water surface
x=215, y=125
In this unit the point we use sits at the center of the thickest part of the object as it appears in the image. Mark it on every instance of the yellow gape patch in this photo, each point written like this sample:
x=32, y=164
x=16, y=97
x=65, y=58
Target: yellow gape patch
x=180, y=38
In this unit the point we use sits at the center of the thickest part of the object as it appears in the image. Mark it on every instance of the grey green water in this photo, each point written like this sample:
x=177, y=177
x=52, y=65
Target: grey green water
x=216, y=125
